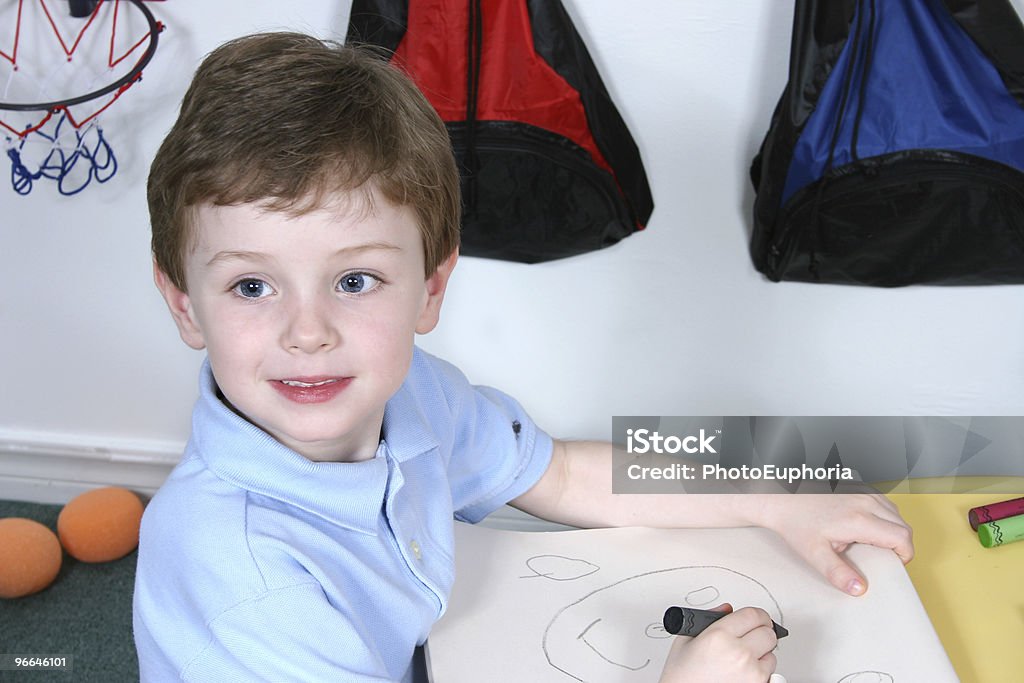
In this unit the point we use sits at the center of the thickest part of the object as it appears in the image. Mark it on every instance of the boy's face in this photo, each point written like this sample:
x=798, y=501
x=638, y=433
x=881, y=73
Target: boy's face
x=309, y=321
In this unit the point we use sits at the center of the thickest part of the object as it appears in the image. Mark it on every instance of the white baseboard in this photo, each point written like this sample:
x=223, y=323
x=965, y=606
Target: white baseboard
x=48, y=468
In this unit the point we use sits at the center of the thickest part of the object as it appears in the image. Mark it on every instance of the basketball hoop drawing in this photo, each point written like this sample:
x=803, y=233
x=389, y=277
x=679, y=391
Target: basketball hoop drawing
x=59, y=71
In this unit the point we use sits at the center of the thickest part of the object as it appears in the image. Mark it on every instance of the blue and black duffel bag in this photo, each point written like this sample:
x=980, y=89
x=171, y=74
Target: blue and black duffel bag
x=895, y=155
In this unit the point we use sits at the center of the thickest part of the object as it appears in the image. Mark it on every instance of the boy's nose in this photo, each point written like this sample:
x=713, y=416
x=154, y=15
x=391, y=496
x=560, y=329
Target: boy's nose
x=309, y=328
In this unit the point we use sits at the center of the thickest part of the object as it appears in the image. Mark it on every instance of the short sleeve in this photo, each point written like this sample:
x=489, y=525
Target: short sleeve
x=498, y=452
x=506, y=455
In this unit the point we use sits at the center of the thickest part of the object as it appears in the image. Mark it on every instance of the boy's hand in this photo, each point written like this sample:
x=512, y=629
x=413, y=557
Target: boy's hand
x=737, y=648
x=820, y=527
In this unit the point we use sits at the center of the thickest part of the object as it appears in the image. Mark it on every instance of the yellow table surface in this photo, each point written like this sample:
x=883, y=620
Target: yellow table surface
x=973, y=595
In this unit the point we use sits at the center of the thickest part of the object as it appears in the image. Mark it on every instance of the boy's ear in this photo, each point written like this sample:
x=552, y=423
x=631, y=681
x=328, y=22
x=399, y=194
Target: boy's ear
x=181, y=309
x=436, y=285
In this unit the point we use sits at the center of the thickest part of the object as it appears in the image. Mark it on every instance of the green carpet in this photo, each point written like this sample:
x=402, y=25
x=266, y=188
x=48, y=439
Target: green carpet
x=86, y=614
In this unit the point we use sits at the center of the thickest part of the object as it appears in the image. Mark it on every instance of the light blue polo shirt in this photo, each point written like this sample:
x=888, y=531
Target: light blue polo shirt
x=256, y=564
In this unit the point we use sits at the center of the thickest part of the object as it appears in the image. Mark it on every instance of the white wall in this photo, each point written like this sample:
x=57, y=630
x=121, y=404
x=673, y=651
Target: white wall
x=672, y=321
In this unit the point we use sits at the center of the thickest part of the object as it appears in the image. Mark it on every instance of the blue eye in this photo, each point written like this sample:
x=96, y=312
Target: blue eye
x=358, y=283
x=251, y=288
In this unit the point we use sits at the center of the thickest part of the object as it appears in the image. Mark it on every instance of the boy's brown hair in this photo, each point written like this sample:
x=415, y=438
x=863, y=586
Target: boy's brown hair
x=284, y=120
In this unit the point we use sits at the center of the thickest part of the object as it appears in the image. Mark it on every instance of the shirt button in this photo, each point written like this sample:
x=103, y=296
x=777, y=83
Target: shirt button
x=417, y=552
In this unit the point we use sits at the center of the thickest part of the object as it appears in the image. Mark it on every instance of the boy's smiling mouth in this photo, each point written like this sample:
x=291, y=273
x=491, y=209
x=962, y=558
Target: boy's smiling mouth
x=311, y=389
x=299, y=383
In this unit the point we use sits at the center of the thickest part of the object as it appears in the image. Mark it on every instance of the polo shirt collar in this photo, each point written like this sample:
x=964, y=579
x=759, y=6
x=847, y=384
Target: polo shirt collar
x=349, y=494
x=407, y=430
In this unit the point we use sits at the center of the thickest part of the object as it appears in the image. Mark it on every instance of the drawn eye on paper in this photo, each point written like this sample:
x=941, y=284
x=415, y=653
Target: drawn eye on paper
x=615, y=633
x=559, y=568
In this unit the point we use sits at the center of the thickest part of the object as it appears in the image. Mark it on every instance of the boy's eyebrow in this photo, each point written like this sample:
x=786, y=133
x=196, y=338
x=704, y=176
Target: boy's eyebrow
x=226, y=256
x=369, y=246
x=233, y=255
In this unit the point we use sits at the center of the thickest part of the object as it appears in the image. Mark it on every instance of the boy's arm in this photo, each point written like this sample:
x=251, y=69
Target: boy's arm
x=576, y=489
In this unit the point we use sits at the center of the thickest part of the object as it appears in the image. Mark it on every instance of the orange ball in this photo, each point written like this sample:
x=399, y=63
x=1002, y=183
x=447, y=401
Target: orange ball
x=100, y=525
x=30, y=557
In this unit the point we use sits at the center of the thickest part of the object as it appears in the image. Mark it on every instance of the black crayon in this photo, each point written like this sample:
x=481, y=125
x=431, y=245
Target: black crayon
x=687, y=621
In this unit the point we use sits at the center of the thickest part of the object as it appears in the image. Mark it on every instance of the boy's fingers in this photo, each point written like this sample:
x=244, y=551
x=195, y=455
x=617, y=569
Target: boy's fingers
x=762, y=641
x=838, y=572
x=743, y=621
x=886, y=533
x=883, y=527
x=903, y=544
x=880, y=532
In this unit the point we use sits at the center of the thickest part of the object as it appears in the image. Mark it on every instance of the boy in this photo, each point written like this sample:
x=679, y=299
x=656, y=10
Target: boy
x=305, y=214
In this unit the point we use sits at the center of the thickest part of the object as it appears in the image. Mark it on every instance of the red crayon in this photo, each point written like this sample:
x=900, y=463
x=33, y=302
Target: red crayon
x=995, y=511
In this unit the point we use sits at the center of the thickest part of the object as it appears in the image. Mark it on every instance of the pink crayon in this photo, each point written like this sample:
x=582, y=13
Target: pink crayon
x=996, y=511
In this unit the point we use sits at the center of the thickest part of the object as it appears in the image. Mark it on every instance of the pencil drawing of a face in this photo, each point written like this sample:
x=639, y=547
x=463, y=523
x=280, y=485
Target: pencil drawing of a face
x=615, y=633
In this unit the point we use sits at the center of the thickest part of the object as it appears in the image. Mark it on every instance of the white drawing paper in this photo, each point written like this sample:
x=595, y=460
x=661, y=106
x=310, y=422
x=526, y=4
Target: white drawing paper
x=587, y=606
